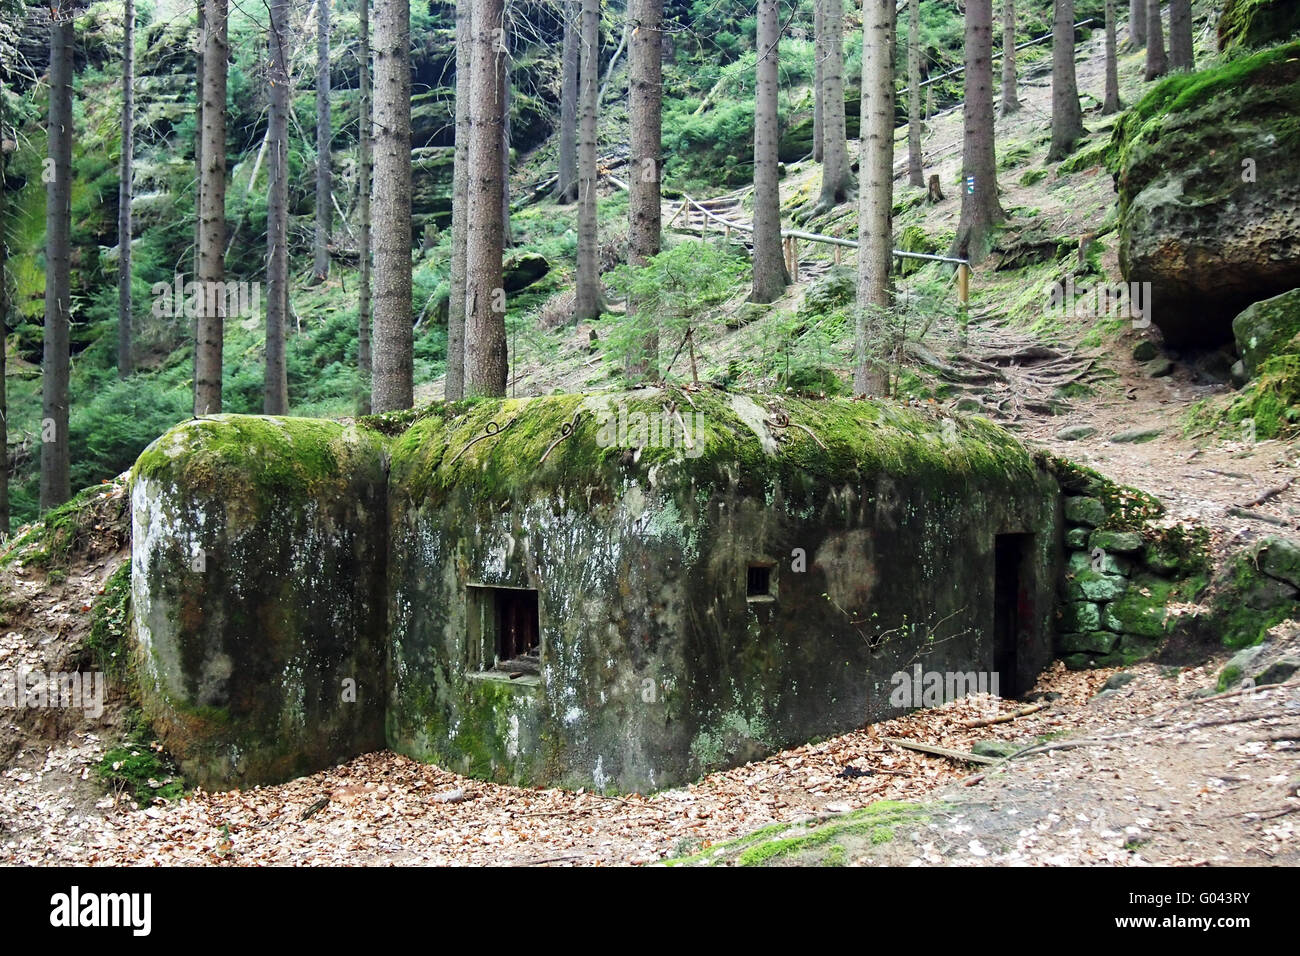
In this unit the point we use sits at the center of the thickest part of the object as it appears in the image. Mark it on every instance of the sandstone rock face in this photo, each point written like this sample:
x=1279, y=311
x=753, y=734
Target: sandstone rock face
x=1208, y=170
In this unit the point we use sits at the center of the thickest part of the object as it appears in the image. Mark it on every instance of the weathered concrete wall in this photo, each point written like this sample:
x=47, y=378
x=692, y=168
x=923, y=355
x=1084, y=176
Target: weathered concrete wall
x=257, y=585
x=655, y=665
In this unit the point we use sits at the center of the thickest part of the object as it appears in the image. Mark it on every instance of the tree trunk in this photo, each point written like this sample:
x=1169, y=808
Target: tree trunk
x=645, y=102
x=871, y=367
x=1010, y=101
x=1137, y=23
x=454, y=384
x=275, y=394
x=980, y=209
x=1181, y=55
x=1111, y=103
x=363, y=214
x=211, y=320
x=1157, y=63
x=915, y=167
x=1067, y=117
x=324, y=210
x=124, y=192
x=394, y=361
x=566, y=184
x=6, y=309
x=819, y=80
x=486, y=361
x=770, y=276
x=198, y=137
x=504, y=91
x=588, y=301
x=837, y=176
x=55, y=462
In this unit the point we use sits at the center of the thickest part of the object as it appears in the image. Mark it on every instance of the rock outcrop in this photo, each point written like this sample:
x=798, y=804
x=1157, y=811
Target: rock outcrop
x=1208, y=171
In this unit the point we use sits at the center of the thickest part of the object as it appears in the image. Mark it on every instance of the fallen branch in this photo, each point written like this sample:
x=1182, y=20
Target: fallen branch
x=1268, y=493
x=989, y=721
x=958, y=755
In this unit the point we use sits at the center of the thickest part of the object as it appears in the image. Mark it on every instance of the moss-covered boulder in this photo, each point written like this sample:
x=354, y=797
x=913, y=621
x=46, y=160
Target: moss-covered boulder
x=829, y=292
x=1208, y=171
x=1254, y=23
x=258, y=603
x=1267, y=328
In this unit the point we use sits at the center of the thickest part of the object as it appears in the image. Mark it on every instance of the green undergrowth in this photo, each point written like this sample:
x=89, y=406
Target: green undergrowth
x=827, y=842
x=56, y=537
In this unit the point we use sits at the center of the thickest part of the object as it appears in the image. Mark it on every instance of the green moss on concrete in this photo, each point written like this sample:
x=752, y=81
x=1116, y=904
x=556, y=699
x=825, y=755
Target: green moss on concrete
x=256, y=459
x=848, y=440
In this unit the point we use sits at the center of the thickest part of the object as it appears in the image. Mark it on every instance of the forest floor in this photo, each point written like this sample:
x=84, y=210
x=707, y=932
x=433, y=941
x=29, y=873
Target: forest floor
x=1158, y=770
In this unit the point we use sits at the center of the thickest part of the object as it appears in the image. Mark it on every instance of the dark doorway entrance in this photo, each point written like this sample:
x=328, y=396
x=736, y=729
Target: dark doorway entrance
x=1010, y=601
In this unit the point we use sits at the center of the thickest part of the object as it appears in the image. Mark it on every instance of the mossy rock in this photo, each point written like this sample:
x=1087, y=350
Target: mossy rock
x=1089, y=585
x=1079, y=617
x=522, y=269
x=1089, y=642
x=1267, y=328
x=1254, y=23
x=1085, y=511
x=1141, y=610
x=836, y=288
x=1271, y=401
x=1208, y=172
x=1120, y=542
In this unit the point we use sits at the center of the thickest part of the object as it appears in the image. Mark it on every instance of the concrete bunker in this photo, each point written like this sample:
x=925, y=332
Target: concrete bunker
x=621, y=591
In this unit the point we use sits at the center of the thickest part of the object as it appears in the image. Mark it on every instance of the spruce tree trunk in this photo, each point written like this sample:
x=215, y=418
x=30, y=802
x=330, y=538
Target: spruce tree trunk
x=1111, y=103
x=819, y=80
x=211, y=320
x=391, y=207
x=1157, y=63
x=55, y=462
x=1067, y=117
x=454, y=384
x=6, y=315
x=645, y=103
x=1137, y=23
x=363, y=214
x=871, y=367
x=1181, y=55
x=1010, y=101
x=324, y=210
x=198, y=137
x=770, y=276
x=980, y=208
x=915, y=167
x=275, y=392
x=486, y=361
x=588, y=300
x=837, y=176
x=504, y=91
x=124, y=192
x=566, y=184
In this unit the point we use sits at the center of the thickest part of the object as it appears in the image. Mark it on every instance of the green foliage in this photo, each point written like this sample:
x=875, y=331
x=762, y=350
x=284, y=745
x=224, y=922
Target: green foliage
x=142, y=769
x=669, y=292
x=106, y=642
